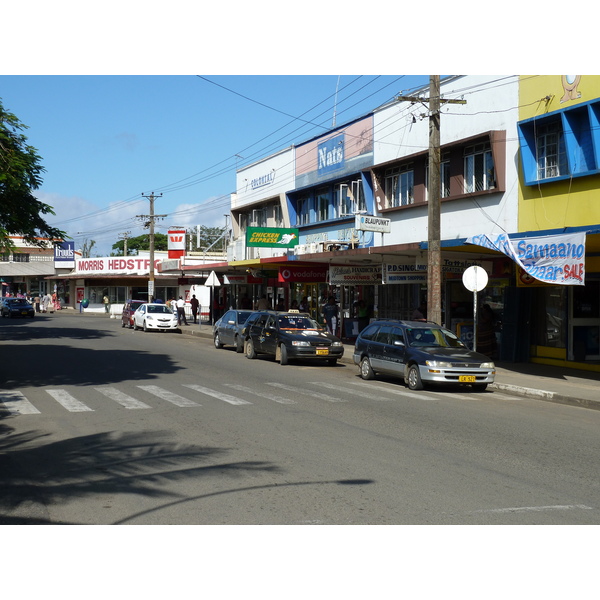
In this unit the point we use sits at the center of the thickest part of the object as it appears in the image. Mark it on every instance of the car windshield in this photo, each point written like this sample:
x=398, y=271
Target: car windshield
x=296, y=322
x=440, y=338
x=158, y=308
x=18, y=301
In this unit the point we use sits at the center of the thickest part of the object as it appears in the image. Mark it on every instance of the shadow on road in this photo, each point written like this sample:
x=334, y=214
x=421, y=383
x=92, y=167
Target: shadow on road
x=36, y=474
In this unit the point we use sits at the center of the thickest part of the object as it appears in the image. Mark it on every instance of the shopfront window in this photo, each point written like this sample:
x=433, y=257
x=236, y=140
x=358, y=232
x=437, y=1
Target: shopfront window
x=551, y=321
x=116, y=294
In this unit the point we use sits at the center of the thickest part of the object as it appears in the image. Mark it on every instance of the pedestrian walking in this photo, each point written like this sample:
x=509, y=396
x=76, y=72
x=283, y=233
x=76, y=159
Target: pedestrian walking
x=36, y=303
x=106, y=301
x=195, y=304
x=46, y=302
x=181, y=311
x=330, y=314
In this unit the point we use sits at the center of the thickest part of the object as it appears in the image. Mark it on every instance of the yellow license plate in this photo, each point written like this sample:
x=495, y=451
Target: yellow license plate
x=466, y=378
x=322, y=351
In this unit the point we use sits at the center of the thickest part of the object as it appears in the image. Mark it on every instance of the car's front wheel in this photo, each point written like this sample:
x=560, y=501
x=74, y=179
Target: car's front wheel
x=145, y=326
x=413, y=378
x=283, y=355
x=366, y=370
x=479, y=387
x=250, y=352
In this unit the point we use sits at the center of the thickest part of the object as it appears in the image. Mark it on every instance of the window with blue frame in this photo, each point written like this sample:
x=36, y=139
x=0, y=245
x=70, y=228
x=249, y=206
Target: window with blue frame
x=322, y=204
x=303, y=210
x=563, y=144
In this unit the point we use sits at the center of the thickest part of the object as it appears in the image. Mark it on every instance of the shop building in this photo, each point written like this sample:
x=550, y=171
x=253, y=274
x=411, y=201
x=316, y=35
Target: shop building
x=559, y=194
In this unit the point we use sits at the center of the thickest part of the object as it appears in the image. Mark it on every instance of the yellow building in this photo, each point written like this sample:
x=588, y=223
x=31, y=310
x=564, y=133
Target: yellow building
x=559, y=193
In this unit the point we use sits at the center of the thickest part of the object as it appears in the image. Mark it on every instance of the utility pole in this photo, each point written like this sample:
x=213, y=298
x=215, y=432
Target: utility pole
x=124, y=237
x=434, y=254
x=149, y=219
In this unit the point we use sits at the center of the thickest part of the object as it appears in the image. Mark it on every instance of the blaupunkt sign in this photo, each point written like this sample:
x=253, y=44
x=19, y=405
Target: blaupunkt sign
x=269, y=237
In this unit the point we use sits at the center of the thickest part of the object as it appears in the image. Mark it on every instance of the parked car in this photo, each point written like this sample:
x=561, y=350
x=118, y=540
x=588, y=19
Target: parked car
x=290, y=335
x=227, y=331
x=155, y=317
x=128, y=309
x=16, y=307
x=421, y=353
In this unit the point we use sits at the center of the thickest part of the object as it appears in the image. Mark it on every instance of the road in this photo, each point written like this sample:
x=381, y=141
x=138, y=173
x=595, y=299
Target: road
x=104, y=425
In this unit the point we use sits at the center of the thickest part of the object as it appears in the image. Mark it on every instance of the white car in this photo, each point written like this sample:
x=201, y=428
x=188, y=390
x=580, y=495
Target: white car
x=155, y=316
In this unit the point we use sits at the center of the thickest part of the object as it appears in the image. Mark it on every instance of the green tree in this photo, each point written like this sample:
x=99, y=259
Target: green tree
x=141, y=242
x=208, y=237
x=21, y=213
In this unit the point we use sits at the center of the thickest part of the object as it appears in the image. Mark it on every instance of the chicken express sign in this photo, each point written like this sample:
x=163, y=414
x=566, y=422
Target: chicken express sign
x=271, y=237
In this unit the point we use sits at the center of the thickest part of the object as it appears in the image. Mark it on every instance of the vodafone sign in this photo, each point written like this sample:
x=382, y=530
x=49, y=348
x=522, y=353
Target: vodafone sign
x=302, y=274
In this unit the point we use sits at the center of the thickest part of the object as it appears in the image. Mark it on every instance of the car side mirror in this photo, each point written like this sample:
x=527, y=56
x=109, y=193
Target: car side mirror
x=398, y=343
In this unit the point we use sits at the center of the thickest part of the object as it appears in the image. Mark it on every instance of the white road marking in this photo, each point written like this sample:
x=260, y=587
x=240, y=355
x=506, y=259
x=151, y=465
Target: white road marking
x=122, y=398
x=17, y=404
x=69, y=402
x=168, y=396
x=333, y=386
x=392, y=390
x=261, y=394
x=219, y=395
x=295, y=390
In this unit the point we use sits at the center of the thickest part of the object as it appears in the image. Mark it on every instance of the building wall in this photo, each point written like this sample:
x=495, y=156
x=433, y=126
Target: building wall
x=568, y=202
x=401, y=131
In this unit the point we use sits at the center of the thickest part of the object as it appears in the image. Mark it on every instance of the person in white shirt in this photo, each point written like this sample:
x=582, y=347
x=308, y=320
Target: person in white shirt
x=181, y=311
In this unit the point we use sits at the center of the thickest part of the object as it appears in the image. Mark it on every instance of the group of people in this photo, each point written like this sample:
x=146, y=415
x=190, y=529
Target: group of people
x=178, y=307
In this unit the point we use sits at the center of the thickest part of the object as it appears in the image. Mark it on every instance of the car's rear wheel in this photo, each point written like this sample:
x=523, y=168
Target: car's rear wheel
x=218, y=343
x=283, y=355
x=239, y=344
x=413, y=378
x=122, y=323
x=366, y=370
x=250, y=352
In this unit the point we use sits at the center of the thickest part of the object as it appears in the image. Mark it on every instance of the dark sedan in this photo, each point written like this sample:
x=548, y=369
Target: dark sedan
x=227, y=331
x=17, y=307
x=290, y=335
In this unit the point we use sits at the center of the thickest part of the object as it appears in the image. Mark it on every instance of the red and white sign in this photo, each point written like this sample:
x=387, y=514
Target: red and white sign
x=176, y=245
x=110, y=265
x=302, y=274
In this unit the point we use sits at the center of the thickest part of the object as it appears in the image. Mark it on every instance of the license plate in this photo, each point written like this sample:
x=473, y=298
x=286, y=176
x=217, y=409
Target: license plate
x=322, y=351
x=24, y=312
x=466, y=378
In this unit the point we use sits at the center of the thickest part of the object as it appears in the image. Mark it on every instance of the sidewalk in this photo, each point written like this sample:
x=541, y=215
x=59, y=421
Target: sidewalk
x=542, y=382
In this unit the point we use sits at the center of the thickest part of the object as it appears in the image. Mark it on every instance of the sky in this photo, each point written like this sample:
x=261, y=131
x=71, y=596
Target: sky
x=108, y=141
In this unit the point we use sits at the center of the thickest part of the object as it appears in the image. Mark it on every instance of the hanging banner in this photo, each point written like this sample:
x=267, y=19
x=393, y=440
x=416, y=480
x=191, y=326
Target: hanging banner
x=556, y=259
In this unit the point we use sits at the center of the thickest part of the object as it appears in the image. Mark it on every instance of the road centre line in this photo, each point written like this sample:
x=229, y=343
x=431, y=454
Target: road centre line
x=219, y=395
x=17, y=404
x=69, y=402
x=297, y=390
x=168, y=396
x=121, y=398
x=261, y=394
x=536, y=508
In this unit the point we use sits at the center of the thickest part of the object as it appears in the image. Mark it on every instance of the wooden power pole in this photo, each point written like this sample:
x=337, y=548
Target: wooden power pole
x=434, y=189
x=149, y=219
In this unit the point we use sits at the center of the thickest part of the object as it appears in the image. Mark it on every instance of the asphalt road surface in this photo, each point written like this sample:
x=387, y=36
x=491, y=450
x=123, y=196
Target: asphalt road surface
x=104, y=425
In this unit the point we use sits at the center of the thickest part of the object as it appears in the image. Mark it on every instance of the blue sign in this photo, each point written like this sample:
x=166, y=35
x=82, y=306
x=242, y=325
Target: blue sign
x=330, y=155
x=64, y=252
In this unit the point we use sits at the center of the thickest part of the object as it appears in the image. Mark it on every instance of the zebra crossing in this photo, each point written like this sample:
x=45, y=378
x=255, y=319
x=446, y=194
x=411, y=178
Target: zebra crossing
x=148, y=397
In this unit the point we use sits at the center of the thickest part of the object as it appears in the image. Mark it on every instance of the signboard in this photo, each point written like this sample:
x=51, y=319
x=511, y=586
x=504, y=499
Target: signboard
x=270, y=237
x=176, y=245
x=557, y=259
x=64, y=255
x=367, y=275
x=330, y=154
x=302, y=274
x=404, y=273
x=370, y=223
x=114, y=266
